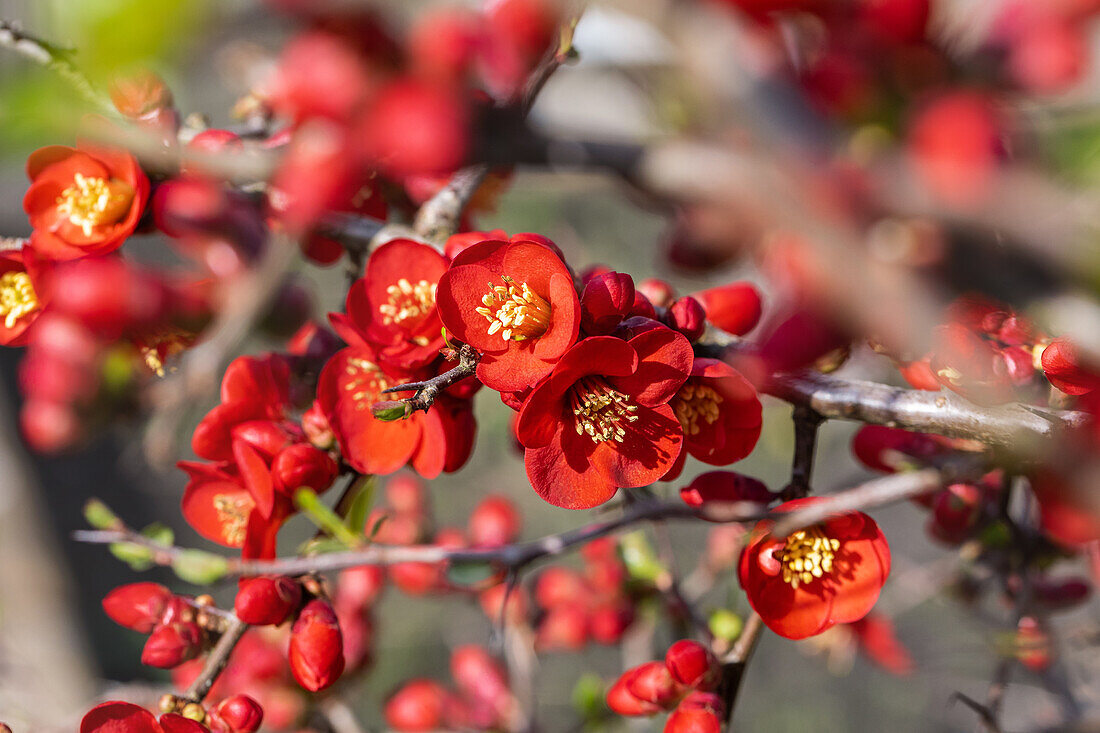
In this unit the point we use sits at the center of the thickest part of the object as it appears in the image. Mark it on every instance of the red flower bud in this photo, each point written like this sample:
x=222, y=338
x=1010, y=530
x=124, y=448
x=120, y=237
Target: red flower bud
x=137, y=606
x=498, y=599
x=725, y=486
x=216, y=141
x=642, y=307
x=315, y=426
x=318, y=75
x=302, y=465
x=316, y=651
x=405, y=493
x=1063, y=368
x=658, y=292
x=49, y=426
x=478, y=675
x=652, y=682
x=557, y=585
x=607, y=299
x=687, y=316
x=360, y=587
x=494, y=522
x=563, y=628
x=734, y=308
x=621, y=701
x=237, y=714
x=693, y=720
x=107, y=295
x=955, y=512
x=267, y=600
x=608, y=622
x=170, y=645
x=1058, y=594
x=417, y=706
x=691, y=664
x=1033, y=648
x=708, y=701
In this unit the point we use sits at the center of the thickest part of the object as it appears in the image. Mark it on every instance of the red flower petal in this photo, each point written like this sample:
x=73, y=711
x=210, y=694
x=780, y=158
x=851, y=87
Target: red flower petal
x=648, y=450
x=256, y=476
x=119, y=717
x=565, y=480
x=664, y=363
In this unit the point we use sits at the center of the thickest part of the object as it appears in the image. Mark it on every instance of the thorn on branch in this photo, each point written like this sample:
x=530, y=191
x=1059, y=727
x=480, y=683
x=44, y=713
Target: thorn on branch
x=429, y=389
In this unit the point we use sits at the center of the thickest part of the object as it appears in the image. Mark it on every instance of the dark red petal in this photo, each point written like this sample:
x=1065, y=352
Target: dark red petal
x=649, y=449
x=541, y=415
x=256, y=476
x=565, y=318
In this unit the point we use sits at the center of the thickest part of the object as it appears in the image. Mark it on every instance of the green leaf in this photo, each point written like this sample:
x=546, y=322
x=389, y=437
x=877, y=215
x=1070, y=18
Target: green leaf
x=469, y=573
x=639, y=557
x=100, y=516
x=377, y=527
x=359, y=511
x=200, y=568
x=725, y=625
x=321, y=546
x=588, y=696
x=138, y=557
x=390, y=410
x=159, y=533
x=326, y=519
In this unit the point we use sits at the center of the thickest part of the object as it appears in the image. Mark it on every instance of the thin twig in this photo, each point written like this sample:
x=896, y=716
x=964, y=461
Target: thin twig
x=806, y=423
x=216, y=661
x=737, y=661
x=429, y=389
x=54, y=58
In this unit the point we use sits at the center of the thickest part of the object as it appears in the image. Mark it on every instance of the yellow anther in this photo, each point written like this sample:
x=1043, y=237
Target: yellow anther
x=516, y=311
x=696, y=402
x=807, y=555
x=406, y=300
x=17, y=297
x=92, y=202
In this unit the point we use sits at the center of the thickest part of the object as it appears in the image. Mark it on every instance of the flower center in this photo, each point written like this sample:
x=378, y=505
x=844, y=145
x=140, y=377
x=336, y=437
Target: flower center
x=808, y=554
x=160, y=344
x=366, y=382
x=233, y=514
x=92, y=202
x=600, y=410
x=17, y=297
x=694, y=402
x=407, y=300
x=518, y=312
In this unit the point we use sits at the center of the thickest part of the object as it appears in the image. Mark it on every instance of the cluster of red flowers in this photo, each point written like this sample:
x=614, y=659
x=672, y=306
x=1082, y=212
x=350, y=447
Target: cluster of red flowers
x=684, y=682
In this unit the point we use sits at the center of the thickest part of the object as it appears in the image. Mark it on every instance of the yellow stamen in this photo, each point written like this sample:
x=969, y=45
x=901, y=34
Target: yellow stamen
x=366, y=382
x=92, y=202
x=407, y=300
x=694, y=402
x=808, y=555
x=233, y=515
x=601, y=412
x=17, y=297
x=515, y=310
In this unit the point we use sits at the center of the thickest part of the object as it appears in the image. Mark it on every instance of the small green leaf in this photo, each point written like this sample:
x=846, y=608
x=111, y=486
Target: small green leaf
x=321, y=546
x=588, y=696
x=377, y=527
x=138, y=557
x=469, y=573
x=639, y=557
x=200, y=568
x=390, y=410
x=326, y=519
x=160, y=533
x=725, y=625
x=359, y=511
x=100, y=516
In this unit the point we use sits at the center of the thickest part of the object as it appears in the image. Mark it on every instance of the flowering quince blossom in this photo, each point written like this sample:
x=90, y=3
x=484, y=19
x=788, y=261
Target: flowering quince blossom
x=516, y=303
x=818, y=577
x=720, y=413
x=353, y=379
x=602, y=421
x=25, y=290
x=393, y=305
x=84, y=200
x=261, y=460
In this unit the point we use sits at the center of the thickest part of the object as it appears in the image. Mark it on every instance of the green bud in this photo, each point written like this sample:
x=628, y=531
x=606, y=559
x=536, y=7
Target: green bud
x=725, y=625
x=588, y=696
x=390, y=410
x=100, y=516
x=200, y=568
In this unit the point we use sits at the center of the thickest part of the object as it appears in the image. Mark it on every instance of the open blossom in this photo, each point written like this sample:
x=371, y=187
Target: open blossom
x=820, y=576
x=432, y=442
x=125, y=717
x=720, y=413
x=84, y=200
x=25, y=281
x=515, y=302
x=602, y=419
x=393, y=305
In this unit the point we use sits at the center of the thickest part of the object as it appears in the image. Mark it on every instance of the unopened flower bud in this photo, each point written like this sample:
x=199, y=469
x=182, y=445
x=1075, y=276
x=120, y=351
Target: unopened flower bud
x=417, y=706
x=653, y=683
x=170, y=645
x=687, y=316
x=267, y=600
x=237, y=714
x=693, y=720
x=494, y=522
x=692, y=664
x=657, y=291
x=735, y=308
x=607, y=299
x=317, y=429
x=137, y=606
x=623, y=702
x=302, y=465
x=316, y=652
x=138, y=95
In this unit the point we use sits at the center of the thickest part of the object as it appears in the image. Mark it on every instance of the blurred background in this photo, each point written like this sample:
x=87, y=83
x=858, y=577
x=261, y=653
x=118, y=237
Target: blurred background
x=59, y=652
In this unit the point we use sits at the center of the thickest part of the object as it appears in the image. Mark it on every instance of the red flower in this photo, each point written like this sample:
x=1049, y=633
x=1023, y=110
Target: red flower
x=817, y=577
x=350, y=383
x=514, y=302
x=218, y=505
x=1062, y=366
x=25, y=288
x=393, y=305
x=83, y=201
x=602, y=419
x=719, y=412
x=124, y=717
